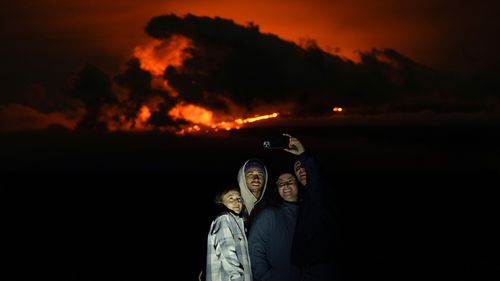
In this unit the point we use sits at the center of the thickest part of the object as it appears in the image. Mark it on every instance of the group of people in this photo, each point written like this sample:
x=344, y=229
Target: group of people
x=284, y=232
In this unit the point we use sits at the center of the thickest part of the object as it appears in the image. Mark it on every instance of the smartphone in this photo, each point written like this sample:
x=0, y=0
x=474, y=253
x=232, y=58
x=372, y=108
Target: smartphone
x=276, y=142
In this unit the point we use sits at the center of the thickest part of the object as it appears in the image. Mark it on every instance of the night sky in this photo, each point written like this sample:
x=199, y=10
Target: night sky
x=307, y=55
x=120, y=120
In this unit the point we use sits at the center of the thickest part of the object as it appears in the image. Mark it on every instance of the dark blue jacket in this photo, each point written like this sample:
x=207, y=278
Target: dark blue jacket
x=270, y=244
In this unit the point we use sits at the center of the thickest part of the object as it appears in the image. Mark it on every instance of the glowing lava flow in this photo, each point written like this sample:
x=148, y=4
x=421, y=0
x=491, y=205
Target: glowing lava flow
x=155, y=56
x=227, y=125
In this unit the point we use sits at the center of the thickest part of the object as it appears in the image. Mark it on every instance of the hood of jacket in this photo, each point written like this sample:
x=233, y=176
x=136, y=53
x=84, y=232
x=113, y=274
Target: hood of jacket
x=248, y=198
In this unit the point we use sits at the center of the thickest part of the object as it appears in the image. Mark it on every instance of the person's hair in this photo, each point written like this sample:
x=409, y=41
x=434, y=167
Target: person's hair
x=291, y=173
x=297, y=162
x=220, y=195
x=218, y=200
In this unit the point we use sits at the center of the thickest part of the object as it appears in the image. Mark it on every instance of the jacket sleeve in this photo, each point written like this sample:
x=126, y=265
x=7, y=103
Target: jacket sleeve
x=315, y=182
x=317, y=187
x=258, y=243
x=225, y=241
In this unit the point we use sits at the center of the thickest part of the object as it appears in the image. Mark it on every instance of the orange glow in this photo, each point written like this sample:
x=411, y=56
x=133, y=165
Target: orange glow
x=192, y=113
x=156, y=55
x=328, y=23
x=340, y=27
x=144, y=114
x=227, y=125
x=257, y=118
x=160, y=83
x=116, y=118
x=337, y=109
x=142, y=118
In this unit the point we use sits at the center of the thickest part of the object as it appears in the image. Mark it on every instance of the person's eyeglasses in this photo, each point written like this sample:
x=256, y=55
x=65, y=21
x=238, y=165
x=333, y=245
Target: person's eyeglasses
x=285, y=183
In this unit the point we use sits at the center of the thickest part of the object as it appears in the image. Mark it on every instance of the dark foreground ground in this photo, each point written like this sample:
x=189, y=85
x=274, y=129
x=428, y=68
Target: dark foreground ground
x=414, y=202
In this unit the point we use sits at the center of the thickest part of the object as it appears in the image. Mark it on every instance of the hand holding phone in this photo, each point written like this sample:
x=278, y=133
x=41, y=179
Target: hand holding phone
x=276, y=142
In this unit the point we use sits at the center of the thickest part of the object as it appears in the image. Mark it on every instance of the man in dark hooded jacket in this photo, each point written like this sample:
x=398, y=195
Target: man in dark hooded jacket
x=314, y=245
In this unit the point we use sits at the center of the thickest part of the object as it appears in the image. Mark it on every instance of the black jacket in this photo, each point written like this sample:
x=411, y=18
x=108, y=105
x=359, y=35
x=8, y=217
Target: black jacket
x=315, y=233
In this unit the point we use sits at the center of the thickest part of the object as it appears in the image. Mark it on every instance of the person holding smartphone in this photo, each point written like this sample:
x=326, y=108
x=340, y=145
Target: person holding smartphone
x=314, y=247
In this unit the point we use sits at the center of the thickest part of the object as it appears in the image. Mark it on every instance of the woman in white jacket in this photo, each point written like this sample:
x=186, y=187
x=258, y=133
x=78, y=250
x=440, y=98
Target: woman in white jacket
x=227, y=246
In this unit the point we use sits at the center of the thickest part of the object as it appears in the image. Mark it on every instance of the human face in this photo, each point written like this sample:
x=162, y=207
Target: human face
x=300, y=173
x=287, y=187
x=255, y=179
x=232, y=200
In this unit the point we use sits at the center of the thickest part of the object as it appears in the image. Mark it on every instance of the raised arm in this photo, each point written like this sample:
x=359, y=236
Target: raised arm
x=294, y=145
x=316, y=184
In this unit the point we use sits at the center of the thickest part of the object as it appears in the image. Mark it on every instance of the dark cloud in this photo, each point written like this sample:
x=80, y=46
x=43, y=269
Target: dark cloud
x=251, y=67
x=137, y=83
x=245, y=65
x=92, y=86
x=17, y=117
x=135, y=79
x=231, y=64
